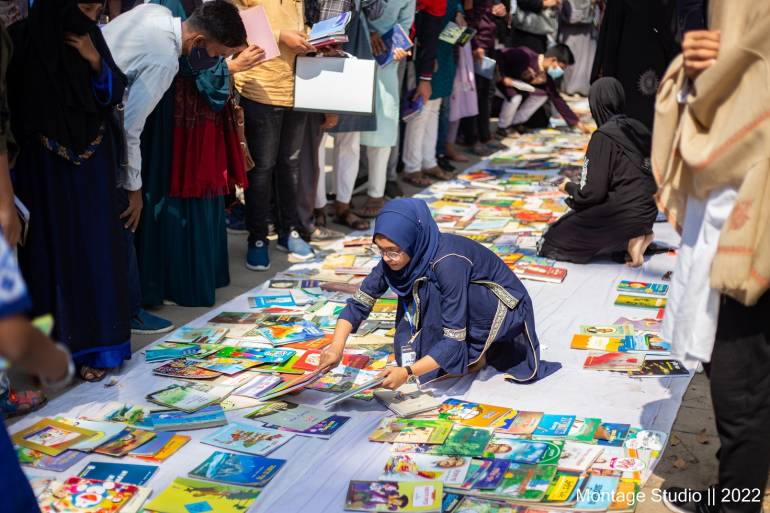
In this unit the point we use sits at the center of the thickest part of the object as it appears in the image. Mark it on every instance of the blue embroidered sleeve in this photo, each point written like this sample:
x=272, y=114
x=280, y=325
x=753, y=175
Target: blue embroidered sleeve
x=451, y=352
x=359, y=306
x=102, y=85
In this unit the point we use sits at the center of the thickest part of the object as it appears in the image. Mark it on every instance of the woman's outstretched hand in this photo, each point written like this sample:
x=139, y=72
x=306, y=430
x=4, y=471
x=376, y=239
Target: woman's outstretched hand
x=394, y=377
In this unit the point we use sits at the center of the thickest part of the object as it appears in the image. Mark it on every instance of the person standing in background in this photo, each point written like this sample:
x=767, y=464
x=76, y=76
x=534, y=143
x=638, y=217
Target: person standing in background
x=636, y=44
x=578, y=31
x=274, y=132
x=710, y=157
x=63, y=86
x=536, y=23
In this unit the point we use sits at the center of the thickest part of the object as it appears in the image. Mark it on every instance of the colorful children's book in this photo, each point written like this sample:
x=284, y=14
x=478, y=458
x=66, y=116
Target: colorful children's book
x=516, y=450
x=407, y=401
x=605, y=343
x=188, y=398
x=519, y=423
x=118, y=472
x=578, y=457
x=272, y=300
x=540, y=272
x=324, y=429
x=661, y=369
x=641, y=287
x=169, y=351
x=553, y=426
x=254, y=440
x=51, y=437
x=283, y=334
x=185, y=369
x=451, y=470
x=259, y=354
x=414, y=431
x=611, y=434
x=614, y=361
x=607, y=330
x=81, y=495
x=289, y=415
x=193, y=496
x=561, y=489
x=237, y=469
x=471, y=414
x=464, y=441
x=640, y=301
x=204, y=335
x=312, y=357
x=291, y=385
x=395, y=38
x=128, y=440
x=525, y=483
x=583, y=429
x=104, y=431
x=395, y=496
x=227, y=366
x=598, y=493
x=485, y=474
x=617, y=459
x=36, y=459
x=260, y=384
x=175, y=420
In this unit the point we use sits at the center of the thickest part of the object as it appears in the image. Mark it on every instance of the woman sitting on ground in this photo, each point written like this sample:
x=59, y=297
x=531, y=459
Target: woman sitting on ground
x=613, y=207
x=459, y=306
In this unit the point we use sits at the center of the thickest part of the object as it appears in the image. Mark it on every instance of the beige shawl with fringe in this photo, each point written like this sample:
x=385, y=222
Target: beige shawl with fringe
x=720, y=136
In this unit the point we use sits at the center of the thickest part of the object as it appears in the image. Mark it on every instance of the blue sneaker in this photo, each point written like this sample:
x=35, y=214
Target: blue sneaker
x=257, y=257
x=144, y=323
x=296, y=247
x=235, y=218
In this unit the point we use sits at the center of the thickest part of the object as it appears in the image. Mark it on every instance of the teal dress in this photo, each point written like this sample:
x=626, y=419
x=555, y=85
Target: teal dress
x=181, y=242
x=387, y=102
x=446, y=60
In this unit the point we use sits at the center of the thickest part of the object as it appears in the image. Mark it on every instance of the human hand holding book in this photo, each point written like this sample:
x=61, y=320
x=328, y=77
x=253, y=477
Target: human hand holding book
x=331, y=356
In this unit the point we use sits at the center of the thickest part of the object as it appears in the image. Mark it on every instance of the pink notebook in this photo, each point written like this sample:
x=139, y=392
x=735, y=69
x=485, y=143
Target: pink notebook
x=259, y=32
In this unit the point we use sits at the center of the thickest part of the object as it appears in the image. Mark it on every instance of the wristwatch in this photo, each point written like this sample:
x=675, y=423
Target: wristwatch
x=409, y=371
x=55, y=385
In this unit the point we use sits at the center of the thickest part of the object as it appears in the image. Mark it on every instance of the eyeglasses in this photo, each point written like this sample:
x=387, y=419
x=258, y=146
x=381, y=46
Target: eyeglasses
x=390, y=254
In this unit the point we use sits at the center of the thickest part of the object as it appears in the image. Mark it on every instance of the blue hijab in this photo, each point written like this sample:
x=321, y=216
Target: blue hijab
x=409, y=224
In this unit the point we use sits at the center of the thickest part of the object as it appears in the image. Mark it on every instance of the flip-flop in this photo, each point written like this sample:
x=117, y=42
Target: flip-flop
x=351, y=220
x=90, y=374
x=22, y=402
x=438, y=173
x=370, y=208
x=418, y=179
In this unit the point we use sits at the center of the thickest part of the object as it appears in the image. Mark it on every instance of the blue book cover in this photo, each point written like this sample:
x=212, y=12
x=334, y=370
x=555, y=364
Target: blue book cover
x=175, y=420
x=238, y=469
x=598, y=493
x=551, y=426
x=493, y=474
x=267, y=301
x=152, y=447
x=333, y=26
x=119, y=472
x=610, y=434
x=392, y=39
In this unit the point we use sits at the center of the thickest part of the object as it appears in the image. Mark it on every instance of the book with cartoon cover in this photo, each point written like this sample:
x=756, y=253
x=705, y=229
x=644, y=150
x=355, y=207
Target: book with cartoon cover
x=51, y=437
x=643, y=287
x=395, y=496
x=227, y=366
x=451, y=470
x=78, y=494
x=247, y=439
x=185, y=495
x=186, y=369
x=471, y=414
x=519, y=423
x=517, y=450
x=416, y=431
x=289, y=415
x=259, y=354
x=128, y=440
x=203, y=335
x=237, y=469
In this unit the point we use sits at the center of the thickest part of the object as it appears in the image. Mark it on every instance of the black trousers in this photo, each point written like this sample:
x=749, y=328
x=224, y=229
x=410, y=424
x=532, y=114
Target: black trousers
x=309, y=173
x=476, y=129
x=274, y=135
x=740, y=389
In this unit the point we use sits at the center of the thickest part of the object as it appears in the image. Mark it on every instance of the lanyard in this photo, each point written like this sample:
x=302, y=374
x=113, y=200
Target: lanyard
x=410, y=312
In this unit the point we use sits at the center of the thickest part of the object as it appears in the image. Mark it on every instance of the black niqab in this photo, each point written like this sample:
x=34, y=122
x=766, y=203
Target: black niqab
x=50, y=82
x=607, y=101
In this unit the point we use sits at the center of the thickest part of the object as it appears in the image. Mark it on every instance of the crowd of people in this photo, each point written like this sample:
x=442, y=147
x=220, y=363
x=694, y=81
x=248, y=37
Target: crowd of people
x=136, y=135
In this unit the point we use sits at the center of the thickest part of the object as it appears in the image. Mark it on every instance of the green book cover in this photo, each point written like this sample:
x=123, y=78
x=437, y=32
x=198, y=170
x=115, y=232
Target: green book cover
x=583, y=429
x=464, y=441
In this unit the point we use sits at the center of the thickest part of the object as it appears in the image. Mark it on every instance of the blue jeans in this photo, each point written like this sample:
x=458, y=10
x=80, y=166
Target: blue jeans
x=134, y=285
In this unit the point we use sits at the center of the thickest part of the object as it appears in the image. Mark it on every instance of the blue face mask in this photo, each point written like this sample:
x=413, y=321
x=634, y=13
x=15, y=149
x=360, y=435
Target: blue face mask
x=555, y=72
x=199, y=59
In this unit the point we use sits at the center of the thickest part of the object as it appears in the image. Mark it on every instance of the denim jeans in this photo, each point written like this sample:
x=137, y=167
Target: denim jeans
x=274, y=135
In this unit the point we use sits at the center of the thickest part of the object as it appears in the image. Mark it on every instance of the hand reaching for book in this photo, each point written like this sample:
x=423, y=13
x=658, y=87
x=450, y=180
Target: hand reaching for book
x=394, y=377
x=331, y=357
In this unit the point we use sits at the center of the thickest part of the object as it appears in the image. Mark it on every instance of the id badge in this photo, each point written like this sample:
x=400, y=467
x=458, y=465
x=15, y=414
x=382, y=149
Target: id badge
x=408, y=354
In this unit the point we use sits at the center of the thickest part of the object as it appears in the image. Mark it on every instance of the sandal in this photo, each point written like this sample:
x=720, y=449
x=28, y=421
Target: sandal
x=438, y=173
x=22, y=402
x=90, y=374
x=418, y=179
x=346, y=217
x=453, y=154
x=319, y=217
x=371, y=207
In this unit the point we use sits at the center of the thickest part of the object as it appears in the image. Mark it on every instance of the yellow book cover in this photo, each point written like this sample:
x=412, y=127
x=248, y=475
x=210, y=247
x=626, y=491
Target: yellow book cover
x=561, y=489
x=624, y=498
x=642, y=302
x=173, y=445
x=190, y=495
x=471, y=414
x=336, y=260
x=596, y=343
x=51, y=437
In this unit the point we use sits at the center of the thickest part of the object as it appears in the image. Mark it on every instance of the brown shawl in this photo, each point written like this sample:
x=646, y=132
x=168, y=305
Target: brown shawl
x=720, y=137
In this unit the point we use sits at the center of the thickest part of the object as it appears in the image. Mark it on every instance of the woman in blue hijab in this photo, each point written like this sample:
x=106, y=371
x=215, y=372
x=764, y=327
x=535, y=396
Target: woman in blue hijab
x=459, y=306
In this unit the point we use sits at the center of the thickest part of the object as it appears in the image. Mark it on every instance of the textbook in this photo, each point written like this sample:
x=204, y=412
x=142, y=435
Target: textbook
x=324, y=429
x=288, y=334
x=660, y=369
x=184, y=397
x=289, y=415
x=128, y=440
x=334, y=26
x=51, y=437
x=194, y=496
x=395, y=496
x=645, y=288
x=370, y=381
x=260, y=384
x=464, y=441
x=204, y=335
x=175, y=420
x=247, y=439
x=169, y=351
x=450, y=470
x=456, y=35
x=578, y=457
x=640, y=301
x=553, y=426
x=259, y=354
x=471, y=414
x=485, y=474
x=407, y=401
x=604, y=343
x=583, y=429
x=614, y=361
x=104, y=431
x=599, y=491
x=119, y=472
x=291, y=385
x=611, y=434
x=185, y=369
x=237, y=469
x=519, y=423
x=227, y=366
x=395, y=38
x=36, y=459
x=540, y=272
x=415, y=431
x=516, y=450
x=607, y=330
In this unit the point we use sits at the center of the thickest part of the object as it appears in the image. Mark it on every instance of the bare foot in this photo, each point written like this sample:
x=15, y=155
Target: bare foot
x=453, y=154
x=635, y=251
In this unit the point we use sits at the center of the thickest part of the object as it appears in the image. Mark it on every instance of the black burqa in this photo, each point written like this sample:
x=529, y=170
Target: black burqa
x=636, y=45
x=614, y=201
x=50, y=83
